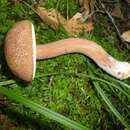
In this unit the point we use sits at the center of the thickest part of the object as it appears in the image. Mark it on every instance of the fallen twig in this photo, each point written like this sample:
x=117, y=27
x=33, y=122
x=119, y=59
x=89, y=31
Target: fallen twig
x=112, y=19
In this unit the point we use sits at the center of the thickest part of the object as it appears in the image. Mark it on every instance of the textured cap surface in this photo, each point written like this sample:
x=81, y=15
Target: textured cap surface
x=19, y=50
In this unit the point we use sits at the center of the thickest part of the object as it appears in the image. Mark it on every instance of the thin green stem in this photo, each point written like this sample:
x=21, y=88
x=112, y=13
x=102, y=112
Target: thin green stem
x=7, y=82
x=109, y=104
x=43, y=110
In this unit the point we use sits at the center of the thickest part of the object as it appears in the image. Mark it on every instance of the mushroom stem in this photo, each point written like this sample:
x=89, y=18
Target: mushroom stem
x=73, y=45
x=89, y=48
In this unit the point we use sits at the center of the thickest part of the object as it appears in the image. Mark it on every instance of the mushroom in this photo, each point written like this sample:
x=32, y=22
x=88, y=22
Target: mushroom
x=21, y=52
x=126, y=36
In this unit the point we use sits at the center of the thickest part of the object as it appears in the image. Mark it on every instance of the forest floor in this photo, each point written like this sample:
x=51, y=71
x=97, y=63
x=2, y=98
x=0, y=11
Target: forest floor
x=70, y=95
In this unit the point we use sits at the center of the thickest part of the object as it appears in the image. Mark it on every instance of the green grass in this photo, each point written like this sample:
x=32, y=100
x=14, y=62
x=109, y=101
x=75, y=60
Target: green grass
x=71, y=85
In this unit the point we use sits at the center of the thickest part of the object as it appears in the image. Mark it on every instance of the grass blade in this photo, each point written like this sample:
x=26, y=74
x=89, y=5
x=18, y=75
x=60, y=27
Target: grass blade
x=109, y=104
x=7, y=82
x=120, y=82
x=42, y=110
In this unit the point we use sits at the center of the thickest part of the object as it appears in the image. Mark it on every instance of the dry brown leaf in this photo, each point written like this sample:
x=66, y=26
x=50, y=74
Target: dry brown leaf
x=50, y=17
x=74, y=25
x=116, y=12
x=126, y=36
x=87, y=8
x=54, y=19
x=5, y=123
x=128, y=1
x=87, y=5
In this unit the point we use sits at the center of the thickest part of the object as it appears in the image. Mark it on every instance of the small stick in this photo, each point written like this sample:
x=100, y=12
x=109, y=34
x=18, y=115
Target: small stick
x=67, y=10
x=112, y=20
x=57, y=5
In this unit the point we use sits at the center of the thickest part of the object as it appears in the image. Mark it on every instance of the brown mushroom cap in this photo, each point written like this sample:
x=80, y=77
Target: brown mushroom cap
x=20, y=50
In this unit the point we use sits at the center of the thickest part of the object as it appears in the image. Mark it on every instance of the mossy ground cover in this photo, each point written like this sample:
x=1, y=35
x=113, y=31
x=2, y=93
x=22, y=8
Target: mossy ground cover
x=54, y=87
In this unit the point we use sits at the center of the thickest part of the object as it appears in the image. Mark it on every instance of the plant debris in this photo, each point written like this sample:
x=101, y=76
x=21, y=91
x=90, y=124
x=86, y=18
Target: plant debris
x=126, y=36
x=74, y=25
x=5, y=123
x=55, y=20
x=50, y=17
x=116, y=12
x=86, y=8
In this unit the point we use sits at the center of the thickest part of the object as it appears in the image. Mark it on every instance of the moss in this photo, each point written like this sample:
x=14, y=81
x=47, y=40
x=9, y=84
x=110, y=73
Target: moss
x=69, y=95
